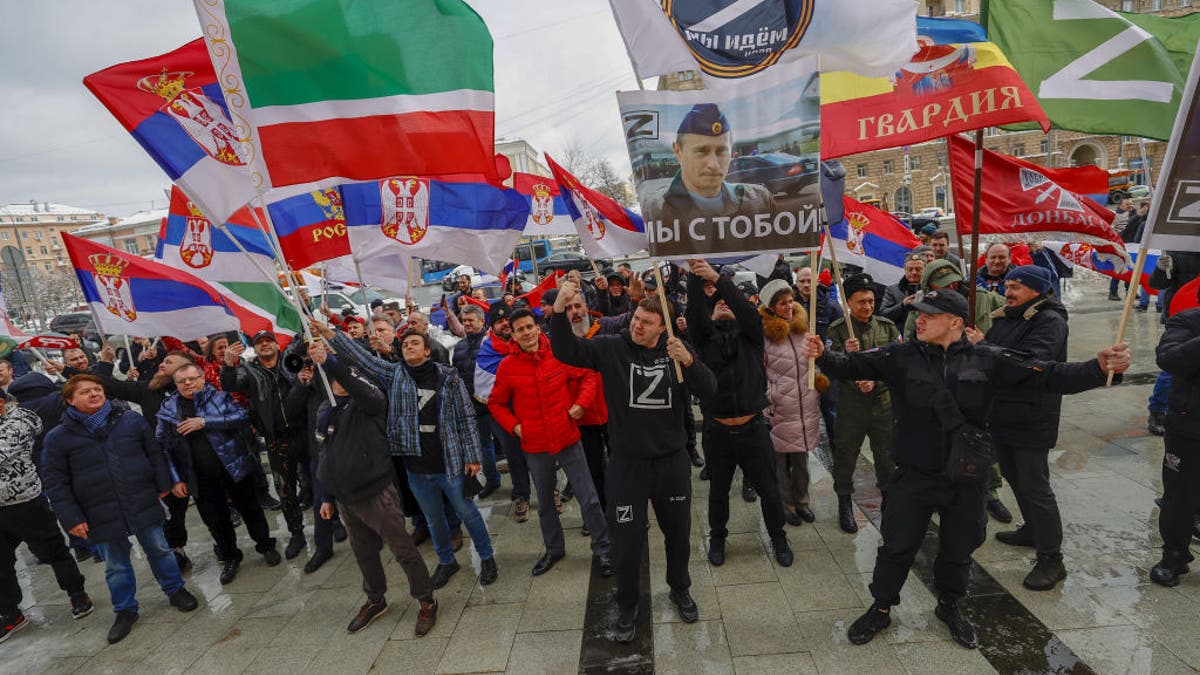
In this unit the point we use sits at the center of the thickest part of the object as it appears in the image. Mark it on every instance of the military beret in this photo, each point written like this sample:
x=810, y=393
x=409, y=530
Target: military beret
x=704, y=119
x=857, y=282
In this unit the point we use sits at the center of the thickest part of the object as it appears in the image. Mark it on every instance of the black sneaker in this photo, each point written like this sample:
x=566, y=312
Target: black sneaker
x=697, y=460
x=792, y=518
x=1167, y=571
x=441, y=575
x=295, y=545
x=869, y=624
x=1022, y=536
x=182, y=560
x=82, y=554
x=999, y=511
x=685, y=606
x=122, y=624
x=366, y=614
x=960, y=629
x=81, y=605
x=488, y=572
x=229, y=569
x=748, y=494
x=271, y=557
x=488, y=490
x=716, y=551
x=1046, y=574
x=10, y=625
x=783, y=551
x=183, y=601
x=269, y=503
x=626, y=625
x=316, y=560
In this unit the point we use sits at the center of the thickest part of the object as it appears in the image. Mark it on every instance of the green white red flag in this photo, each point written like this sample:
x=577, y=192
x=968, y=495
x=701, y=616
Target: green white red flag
x=331, y=91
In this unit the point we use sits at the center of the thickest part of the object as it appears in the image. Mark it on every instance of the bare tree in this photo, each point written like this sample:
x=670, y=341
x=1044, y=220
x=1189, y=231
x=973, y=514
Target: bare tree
x=50, y=292
x=597, y=173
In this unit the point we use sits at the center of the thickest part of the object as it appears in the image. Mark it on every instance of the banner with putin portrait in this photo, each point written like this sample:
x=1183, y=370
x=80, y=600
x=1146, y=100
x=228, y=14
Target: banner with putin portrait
x=734, y=170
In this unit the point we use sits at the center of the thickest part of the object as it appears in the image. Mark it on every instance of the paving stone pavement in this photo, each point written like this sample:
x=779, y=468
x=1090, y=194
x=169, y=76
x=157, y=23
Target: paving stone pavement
x=755, y=617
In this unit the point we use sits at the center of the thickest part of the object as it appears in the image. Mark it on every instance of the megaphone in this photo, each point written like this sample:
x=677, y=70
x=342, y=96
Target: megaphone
x=294, y=362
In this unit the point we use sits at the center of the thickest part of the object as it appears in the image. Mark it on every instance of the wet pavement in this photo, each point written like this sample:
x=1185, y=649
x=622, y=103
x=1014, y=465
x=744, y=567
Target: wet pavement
x=754, y=615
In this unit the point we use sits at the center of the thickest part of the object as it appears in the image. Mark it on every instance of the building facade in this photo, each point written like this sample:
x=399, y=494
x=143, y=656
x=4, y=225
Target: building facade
x=136, y=234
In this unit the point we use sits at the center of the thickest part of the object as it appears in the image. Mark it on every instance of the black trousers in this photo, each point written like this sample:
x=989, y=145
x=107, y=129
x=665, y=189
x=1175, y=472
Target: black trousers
x=1181, y=488
x=665, y=482
x=594, y=439
x=748, y=446
x=284, y=459
x=175, y=529
x=1027, y=471
x=913, y=497
x=215, y=489
x=32, y=522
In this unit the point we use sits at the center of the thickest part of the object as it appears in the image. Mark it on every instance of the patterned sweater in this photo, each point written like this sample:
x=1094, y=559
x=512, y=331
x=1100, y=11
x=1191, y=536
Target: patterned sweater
x=19, y=480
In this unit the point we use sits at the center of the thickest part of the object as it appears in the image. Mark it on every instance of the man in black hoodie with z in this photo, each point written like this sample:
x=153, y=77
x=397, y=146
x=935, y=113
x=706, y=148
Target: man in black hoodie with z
x=1025, y=424
x=728, y=334
x=649, y=462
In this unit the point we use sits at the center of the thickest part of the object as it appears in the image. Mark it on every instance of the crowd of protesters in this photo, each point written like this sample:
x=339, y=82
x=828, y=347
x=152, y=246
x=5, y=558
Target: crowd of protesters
x=391, y=430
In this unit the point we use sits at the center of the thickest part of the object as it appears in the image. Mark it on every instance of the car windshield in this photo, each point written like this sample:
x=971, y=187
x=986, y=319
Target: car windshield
x=363, y=296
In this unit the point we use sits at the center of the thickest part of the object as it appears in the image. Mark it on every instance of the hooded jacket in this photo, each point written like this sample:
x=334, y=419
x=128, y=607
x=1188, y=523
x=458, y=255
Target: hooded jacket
x=225, y=428
x=794, y=409
x=646, y=403
x=732, y=349
x=533, y=389
x=355, y=464
x=109, y=479
x=1038, y=328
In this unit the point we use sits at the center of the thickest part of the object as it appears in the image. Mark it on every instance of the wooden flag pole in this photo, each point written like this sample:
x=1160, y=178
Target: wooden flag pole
x=408, y=294
x=814, y=266
x=362, y=286
x=976, y=198
x=662, y=297
x=837, y=274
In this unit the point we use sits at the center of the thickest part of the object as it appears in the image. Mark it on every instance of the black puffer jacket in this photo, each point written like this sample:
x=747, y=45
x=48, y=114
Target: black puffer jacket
x=1038, y=329
x=828, y=310
x=916, y=371
x=110, y=479
x=1179, y=354
x=892, y=306
x=267, y=390
x=355, y=462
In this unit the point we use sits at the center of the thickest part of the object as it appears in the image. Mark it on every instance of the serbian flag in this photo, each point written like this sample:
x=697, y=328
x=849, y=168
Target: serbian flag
x=509, y=268
x=311, y=227
x=605, y=228
x=335, y=91
x=7, y=328
x=174, y=107
x=473, y=223
x=188, y=241
x=130, y=295
x=1106, y=259
x=1027, y=201
x=873, y=240
x=548, y=212
x=956, y=81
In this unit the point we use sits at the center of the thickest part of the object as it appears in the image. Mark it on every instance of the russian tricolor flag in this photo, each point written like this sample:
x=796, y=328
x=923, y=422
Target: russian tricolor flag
x=873, y=240
x=605, y=228
x=174, y=107
x=130, y=295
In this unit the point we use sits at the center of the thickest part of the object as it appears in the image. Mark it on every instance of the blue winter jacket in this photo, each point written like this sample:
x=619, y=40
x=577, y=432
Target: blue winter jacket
x=110, y=479
x=225, y=424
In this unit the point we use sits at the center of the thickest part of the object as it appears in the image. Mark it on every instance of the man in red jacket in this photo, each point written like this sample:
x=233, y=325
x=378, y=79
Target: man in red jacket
x=532, y=400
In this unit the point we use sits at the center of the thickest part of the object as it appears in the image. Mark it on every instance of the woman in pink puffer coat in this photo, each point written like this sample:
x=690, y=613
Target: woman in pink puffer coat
x=795, y=410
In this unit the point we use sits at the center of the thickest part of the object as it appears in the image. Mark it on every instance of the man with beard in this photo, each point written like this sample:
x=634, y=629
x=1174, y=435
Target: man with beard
x=201, y=430
x=149, y=396
x=266, y=384
x=730, y=343
x=496, y=345
x=1024, y=426
x=997, y=265
x=898, y=298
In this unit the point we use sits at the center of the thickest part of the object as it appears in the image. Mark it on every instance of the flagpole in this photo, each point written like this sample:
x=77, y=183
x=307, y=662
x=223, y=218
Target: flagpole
x=666, y=312
x=976, y=198
x=837, y=273
x=814, y=266
x=408, y=294
x=362, y=288
x=128, y=352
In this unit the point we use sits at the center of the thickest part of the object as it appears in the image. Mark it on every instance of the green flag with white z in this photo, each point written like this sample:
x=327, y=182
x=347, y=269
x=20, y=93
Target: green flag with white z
x=1095, y=70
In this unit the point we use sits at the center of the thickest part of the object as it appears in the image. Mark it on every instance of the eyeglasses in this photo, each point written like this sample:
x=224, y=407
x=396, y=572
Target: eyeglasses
x=183, y=380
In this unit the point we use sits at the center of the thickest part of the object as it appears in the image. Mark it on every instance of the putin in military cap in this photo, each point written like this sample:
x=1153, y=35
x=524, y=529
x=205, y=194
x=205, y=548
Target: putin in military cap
x=703, y=147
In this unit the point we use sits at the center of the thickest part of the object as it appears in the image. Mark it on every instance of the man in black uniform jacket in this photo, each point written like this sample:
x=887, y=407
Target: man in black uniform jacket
x=942, y=359
x=649, y=460
x=728, y=334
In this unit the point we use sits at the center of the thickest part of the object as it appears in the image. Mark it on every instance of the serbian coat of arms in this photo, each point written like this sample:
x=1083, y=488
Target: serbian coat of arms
x=112, y=287
x=405, y=208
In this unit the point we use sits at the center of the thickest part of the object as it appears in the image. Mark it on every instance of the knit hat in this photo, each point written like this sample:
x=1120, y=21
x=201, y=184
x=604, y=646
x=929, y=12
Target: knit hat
x=773, y=288
x=1033, y=277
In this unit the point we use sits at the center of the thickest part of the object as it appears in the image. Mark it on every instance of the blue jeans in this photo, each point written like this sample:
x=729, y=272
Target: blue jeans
x=1144, y=299
x=487, y=448
x=429, y=489
x=118, y=571
x=1158, y=397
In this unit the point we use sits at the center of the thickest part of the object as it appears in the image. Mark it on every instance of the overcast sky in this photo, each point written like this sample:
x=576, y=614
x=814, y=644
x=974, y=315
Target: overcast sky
x=556, y=74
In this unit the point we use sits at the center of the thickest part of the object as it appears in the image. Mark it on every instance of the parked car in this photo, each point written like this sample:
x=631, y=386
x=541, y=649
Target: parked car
x=80, y=323
x=571, y=260
x=777, y=171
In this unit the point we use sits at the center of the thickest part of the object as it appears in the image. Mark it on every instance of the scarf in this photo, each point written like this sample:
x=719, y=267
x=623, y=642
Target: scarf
x=94, y=422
